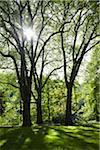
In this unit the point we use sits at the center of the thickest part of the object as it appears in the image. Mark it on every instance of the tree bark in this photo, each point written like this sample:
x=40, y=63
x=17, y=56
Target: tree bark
x=39, y=109
x=68, y=115
x=26, y=96
x=26, y=112
x=97, y=111
x=48, y=105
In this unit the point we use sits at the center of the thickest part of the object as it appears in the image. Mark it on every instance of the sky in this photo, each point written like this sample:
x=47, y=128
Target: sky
x=82, y=70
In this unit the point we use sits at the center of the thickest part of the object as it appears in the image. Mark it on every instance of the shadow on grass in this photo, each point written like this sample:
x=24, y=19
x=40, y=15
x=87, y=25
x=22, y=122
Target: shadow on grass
x=49, y=138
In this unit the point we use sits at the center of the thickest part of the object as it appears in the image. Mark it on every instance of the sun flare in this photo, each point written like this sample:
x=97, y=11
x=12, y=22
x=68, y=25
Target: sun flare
x=29, y=33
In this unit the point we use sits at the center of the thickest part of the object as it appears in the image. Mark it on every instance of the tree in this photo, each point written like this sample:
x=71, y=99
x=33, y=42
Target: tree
x=53, y=101
x=10, y=99
x=27, y=30
x=25, y=49
x=11, y=17
x=92, y=78
x=96, y=70
x=81, y=37
x=2, y=108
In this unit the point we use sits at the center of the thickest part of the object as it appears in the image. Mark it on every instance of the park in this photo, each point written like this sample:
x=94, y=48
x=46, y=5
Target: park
x=49, y=75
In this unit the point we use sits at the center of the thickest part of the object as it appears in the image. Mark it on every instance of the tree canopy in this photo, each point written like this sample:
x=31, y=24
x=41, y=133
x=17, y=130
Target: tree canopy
x=41, y=41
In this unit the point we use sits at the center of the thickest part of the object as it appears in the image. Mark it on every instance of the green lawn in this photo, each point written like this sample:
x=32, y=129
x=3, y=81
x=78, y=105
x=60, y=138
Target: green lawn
x=50, y=138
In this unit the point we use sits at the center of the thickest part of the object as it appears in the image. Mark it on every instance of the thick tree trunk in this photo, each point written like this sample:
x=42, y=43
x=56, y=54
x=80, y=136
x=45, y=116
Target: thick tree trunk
x=39, y=109
x=26, y=96
x=26, y=112
x=68, y=115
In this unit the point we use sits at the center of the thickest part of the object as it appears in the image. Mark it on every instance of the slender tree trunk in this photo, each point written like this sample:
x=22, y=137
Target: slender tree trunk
x=97, y=112
x=39, y=109
x=48, y=104
x=97, y=97
x=68, y=115
x=48, y=110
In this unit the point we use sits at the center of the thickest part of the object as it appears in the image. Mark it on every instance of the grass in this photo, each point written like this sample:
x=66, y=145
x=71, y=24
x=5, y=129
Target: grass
x=50, y=138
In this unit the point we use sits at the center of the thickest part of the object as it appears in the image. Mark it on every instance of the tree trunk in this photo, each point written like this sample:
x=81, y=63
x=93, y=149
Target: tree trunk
x=97, y=112
x=68, y=115
x=39, y=109
x=26, y=96
x=48, y=104
x=26, y=112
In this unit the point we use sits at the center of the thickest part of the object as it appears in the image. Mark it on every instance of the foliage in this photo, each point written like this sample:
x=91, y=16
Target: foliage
x=72, y=28
x=11, y=99
x=91, y=86
x=54, y=98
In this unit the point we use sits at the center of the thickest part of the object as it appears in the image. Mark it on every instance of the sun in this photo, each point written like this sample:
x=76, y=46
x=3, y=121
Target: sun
x=29, y=33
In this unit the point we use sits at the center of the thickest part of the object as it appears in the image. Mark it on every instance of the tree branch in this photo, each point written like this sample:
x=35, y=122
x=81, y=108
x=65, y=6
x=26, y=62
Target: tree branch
x=92, y=46
x=14, y=60
x=9, y=84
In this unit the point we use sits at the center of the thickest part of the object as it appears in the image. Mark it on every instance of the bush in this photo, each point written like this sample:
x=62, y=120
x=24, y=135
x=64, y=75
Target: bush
x=58, y=119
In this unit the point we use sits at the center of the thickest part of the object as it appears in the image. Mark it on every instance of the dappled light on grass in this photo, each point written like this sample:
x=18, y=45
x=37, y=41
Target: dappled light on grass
x=49, y=138
x=2, y=142
x=52, y=136
x=27, y=140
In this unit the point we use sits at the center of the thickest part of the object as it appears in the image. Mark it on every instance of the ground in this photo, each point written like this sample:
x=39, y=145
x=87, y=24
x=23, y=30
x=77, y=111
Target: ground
x=50, y=138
